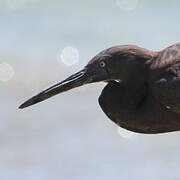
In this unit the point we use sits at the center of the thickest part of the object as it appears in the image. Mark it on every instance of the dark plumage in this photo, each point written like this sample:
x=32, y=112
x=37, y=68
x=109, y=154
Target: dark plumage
x=143, y=87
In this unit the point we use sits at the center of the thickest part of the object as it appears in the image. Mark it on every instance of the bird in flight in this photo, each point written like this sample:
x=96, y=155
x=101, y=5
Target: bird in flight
x=143, y=87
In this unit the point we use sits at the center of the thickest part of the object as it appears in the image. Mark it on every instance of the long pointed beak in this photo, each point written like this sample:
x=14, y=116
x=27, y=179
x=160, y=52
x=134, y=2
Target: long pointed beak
x=71, y=82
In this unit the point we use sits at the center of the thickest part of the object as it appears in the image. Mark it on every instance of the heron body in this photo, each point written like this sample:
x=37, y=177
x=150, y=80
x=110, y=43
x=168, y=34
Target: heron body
x=143, y=87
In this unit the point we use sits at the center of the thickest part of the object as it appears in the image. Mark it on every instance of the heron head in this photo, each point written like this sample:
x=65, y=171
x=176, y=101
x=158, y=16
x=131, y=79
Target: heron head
x=116, y=63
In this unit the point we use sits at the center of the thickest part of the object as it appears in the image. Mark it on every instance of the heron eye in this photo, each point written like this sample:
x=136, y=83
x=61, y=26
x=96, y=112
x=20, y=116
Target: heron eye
x=102, y=64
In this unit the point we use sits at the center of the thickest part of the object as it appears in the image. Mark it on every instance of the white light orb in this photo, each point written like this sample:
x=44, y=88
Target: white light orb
x=69, y=56
x=125, y=133
x=127, y=5
x=6, y=72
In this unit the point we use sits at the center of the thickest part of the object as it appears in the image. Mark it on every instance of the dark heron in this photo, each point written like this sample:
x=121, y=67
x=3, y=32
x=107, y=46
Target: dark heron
x=143, y=87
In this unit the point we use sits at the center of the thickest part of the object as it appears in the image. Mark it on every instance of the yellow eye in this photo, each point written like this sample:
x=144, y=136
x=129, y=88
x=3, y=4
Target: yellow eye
x=102, y=64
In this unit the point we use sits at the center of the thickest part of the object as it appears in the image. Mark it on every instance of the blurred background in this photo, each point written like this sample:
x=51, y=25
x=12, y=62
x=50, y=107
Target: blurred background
x=66, y=138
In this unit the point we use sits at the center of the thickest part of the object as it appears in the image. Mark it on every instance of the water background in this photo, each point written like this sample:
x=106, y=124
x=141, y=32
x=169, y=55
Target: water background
x=68, y=137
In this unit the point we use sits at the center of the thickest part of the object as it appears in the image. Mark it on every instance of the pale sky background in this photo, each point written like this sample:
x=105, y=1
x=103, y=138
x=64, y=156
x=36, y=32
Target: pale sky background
x=68, y=137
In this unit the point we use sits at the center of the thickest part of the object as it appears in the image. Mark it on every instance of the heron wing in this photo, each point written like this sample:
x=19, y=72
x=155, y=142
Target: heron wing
x=166, y=73
x=167, y=92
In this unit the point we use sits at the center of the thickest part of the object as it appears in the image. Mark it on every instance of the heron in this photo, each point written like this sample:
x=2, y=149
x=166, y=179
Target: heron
x=142, y=92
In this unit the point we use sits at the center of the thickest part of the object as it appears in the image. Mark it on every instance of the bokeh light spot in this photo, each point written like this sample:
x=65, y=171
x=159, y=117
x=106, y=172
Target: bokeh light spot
x=127, y=5
x=125, y=133
x=69, y=56
x=6, y=72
